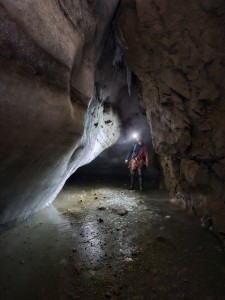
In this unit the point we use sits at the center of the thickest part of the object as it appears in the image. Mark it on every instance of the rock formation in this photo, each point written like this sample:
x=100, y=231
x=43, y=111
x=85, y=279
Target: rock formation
x=176, y=49
x=64, y=82
x=54, y=114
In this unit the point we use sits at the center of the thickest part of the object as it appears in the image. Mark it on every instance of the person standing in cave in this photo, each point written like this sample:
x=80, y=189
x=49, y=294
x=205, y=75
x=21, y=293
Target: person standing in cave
x=138, y=161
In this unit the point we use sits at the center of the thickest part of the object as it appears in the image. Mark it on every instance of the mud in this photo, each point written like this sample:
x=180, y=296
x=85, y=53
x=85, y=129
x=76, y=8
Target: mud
x=100, y=241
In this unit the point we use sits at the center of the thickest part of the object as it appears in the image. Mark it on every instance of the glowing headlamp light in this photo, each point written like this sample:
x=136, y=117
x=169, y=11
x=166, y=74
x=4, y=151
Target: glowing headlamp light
x=135, y=135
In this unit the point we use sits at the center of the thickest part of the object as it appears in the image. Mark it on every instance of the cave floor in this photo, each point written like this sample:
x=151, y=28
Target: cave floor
x=100, y=241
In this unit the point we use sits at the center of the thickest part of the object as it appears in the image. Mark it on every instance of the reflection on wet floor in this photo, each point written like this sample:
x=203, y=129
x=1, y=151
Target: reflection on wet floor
x=100, y=241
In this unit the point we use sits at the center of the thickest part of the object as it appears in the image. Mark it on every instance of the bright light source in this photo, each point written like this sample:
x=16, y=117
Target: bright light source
x=134, y=135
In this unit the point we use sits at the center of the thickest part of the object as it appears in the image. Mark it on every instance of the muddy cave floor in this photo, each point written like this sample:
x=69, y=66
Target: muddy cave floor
x=100, y=241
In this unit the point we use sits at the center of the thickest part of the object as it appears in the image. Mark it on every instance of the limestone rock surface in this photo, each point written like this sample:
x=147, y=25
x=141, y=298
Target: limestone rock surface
x=176, y=49
x=52, y=118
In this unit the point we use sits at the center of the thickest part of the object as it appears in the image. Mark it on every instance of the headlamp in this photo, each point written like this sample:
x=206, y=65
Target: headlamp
x=134, y=135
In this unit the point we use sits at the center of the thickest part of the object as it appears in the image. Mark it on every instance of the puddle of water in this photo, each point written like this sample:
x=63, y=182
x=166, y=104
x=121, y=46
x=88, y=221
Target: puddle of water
x=98, y=242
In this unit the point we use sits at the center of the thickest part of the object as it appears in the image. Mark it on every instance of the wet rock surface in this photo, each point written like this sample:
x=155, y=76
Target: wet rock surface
x=142, y=249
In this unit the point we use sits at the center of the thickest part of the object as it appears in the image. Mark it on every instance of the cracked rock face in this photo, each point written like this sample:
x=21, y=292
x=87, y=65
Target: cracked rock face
x=176, y=49
x=52, y=120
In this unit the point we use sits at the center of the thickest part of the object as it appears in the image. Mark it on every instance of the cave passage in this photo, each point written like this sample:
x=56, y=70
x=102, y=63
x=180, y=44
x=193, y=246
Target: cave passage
x=100, y=241
x=77, y=77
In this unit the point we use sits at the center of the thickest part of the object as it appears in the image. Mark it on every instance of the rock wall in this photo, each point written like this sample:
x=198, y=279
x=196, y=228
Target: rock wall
x=52, y=119
x=176, y=49
x=63, y=82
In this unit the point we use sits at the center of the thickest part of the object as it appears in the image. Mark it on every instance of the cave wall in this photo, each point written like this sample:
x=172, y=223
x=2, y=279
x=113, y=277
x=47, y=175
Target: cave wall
x=176, y=49
x=49, y=107
x=64, y=82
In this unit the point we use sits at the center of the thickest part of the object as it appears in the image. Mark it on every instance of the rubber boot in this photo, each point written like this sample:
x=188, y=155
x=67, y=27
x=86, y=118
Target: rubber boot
x=131, y=182
x=141, y=183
